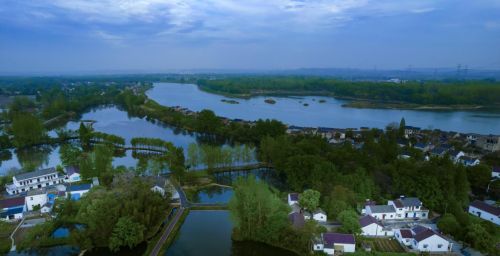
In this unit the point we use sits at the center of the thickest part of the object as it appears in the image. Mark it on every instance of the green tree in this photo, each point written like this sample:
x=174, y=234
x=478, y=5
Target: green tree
x=70, y=155
x=258, y=214
x=402, y=125
x=479, y=237
x=126, y=233
x=350, y=222
x=448, y=224
x=208, y=122
x=193, y=155
x=27, y=130
x=309, y=199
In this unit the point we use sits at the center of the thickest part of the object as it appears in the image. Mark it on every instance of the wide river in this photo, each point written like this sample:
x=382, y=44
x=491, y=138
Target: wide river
x=291, y=110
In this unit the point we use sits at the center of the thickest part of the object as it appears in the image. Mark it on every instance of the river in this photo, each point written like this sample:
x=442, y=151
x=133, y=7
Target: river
x=291, y=110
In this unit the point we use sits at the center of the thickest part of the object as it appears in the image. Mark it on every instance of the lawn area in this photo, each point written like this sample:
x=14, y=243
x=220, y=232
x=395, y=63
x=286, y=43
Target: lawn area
x=385, y=245
x=6, y=229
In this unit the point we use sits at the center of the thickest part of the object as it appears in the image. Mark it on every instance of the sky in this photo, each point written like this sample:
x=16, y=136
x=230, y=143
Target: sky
x=71, y=36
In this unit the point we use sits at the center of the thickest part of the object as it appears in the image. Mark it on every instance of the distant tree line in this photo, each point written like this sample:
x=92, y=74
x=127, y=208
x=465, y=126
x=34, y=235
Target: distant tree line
x=470, y=92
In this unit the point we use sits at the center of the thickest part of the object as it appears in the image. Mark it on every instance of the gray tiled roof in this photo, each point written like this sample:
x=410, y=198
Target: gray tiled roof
x=30, y=175
x=382, y=208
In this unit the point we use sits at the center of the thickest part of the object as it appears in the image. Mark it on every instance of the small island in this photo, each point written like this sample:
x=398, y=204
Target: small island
x=230, y=101
x=270, y=101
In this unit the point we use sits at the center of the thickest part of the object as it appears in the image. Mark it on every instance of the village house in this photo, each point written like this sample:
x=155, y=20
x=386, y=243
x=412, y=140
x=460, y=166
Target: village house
x=293, y=198
x=162, y=185
x=469, y=161
x=489, y=143
x=319, y=215
x=12, y=208
x=404, y=236
x=330, y=243
x=455, y=155
x=423, y=239
x=495, y=172
x=424, y=147
x=411, y=130
x=72, y=174
x=409, y=208
x=485, y=211
x=373, y=227
x=36, y=198
x=34, y=180
x=401, y=208
x=77, y=191
x=381, y=212
x=438, y=152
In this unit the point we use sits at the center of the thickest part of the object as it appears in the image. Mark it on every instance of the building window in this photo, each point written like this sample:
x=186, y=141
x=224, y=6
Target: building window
x=31, y=198
x=440, y=245
x=425, y=246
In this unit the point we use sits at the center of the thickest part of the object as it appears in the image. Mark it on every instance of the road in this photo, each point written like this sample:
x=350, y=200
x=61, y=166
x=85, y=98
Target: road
x=166, y=233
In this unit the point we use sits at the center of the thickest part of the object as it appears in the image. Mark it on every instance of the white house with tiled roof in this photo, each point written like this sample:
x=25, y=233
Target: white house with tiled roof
x=25, y=182
x=423, y=239
x=485, y=211
x=409, y=208
x=373, y=227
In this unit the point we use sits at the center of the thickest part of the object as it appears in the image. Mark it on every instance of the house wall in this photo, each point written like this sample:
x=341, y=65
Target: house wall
x=329, y=251
x=403, y=241
x=32, y=201
x=380, y=216
x=375, y=230
x=26, y=185
x=432, y=244
x=347, y=247
x=484, y=215
x=74, y=177
x=319, y=217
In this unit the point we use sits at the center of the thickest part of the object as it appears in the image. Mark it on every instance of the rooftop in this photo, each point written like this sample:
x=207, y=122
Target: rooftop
x=11, y=202
x=382, y=208
x=37, y=192
x=486, y=207
x=79, y=187
x=294, y=196
x=337, y=238
x=30, y=175
x=367, y=220
x=406, y=233
x=72, y=170
x=407, y=202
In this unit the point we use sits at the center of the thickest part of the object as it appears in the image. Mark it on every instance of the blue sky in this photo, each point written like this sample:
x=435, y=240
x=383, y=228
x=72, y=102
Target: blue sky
x=60, y=36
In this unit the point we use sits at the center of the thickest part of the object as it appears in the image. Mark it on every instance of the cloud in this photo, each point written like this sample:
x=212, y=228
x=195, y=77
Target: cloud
x=212, y=19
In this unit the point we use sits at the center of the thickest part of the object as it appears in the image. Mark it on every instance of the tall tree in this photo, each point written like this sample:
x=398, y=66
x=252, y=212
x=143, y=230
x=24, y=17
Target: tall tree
x=309, y=199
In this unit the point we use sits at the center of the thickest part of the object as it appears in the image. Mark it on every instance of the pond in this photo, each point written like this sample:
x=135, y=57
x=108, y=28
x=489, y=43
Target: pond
x=330, y=113
x=209, y=233
x=212, y=195
x=108, y=119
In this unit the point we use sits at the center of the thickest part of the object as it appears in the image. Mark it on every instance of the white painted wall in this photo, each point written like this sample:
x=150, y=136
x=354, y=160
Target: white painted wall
x=434, y=243
x=32, y=201
x=319, y=217
x=375, y=230
x=484, y=215
x=347, y=247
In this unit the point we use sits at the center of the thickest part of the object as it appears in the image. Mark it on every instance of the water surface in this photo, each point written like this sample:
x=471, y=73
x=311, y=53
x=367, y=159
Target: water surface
x=291, y=110
x=209, y=233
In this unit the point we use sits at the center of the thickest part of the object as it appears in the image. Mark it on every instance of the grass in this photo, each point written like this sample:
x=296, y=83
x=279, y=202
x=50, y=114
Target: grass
x=6, y=229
